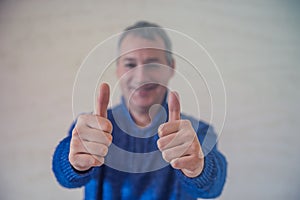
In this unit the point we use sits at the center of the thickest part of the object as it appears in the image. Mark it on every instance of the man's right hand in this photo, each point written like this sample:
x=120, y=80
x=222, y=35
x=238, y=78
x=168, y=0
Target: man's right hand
x=91, y=136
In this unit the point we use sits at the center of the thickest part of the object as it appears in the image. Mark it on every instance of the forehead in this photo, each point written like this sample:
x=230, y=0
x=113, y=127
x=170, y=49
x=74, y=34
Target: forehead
x=134, y=43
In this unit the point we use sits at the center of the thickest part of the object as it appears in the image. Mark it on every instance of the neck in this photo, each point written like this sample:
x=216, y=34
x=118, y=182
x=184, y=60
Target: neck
x=142, y=116
x=141, y=120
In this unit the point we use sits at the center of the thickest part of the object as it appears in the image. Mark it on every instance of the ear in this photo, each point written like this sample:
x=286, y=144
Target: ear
x=173, y=65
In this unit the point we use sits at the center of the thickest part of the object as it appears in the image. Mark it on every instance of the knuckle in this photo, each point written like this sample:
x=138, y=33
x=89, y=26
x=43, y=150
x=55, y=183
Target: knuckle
x=99, y=161
x=165, y=156
x=175, y=163
x=189, y=136
x=103, y=150
x=104, y=138
x=75, y=143
x=159, y=144
x=108, y=139
x=74, y=132
x=162, y=127
x=78, y=129
x=162, y=130
x=186, y=123
x=85, y=119
x=106, y=126
x=194, y=148
x=82, y=118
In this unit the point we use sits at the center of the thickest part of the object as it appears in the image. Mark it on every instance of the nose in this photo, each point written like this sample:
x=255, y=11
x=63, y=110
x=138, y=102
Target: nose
x=140, y=75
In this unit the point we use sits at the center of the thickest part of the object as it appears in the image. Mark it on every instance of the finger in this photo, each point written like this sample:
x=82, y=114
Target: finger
x=91, y=148
x=175, y=152
x=170, y=141
x=174, y=106
x=103, y=100
x=87, y=122
x=81, y=146
x=98, y=161
x=185, y=162
x=95, y=149
x=83, y=161
x=93, y=135
x=190, y=165
x=99, y=123
x=166, y=142
x=168, y=128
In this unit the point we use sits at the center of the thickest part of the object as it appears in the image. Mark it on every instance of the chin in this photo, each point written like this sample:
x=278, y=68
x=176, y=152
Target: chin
x=141, y=103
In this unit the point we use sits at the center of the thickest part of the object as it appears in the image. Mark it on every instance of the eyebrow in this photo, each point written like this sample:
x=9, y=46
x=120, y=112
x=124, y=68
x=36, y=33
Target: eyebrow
x=129, y=59
x=151, y=60
x=148, y=60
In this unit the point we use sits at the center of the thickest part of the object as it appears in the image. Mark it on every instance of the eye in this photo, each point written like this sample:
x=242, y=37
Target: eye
x=130, y=65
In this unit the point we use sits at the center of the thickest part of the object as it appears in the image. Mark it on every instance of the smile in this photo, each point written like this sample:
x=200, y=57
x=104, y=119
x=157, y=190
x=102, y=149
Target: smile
x=146, y=87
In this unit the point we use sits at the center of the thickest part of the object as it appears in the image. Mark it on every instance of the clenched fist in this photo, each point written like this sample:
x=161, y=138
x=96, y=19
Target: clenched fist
x=91, y=135
x=179, y=143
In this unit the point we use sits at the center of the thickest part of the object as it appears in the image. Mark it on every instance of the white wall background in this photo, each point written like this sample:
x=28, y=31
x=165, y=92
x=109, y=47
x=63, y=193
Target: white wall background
x=255, y=43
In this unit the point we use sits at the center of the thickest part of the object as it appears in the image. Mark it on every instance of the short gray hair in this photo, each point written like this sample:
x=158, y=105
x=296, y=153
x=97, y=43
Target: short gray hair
x=149, y=31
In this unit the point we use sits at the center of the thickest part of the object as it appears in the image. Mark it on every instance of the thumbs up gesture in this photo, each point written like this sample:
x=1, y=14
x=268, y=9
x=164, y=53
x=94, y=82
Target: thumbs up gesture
x=178, y=141
x=91, y=135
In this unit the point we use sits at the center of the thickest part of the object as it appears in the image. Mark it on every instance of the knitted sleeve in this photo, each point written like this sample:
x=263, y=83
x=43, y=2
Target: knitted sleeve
x=210, y=183
x=65, y=174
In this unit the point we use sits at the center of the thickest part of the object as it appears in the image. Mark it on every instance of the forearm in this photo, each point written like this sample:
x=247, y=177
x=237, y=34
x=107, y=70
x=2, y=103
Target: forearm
x=65, y=174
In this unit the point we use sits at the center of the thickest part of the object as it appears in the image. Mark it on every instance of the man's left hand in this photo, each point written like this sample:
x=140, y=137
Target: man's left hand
x=179, y=143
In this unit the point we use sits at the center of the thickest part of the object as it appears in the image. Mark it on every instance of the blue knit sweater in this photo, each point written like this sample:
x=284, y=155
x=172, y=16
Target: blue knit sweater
x=110, y=182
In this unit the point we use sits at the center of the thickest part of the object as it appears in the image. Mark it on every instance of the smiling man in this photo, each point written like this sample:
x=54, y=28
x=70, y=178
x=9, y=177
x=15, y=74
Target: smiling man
x=143, y=73
x=147, y=122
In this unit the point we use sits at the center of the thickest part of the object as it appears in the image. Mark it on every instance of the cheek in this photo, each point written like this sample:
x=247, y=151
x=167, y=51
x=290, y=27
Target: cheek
x=122, y=75
x=124, y=82
x=162, y=79
x=163, y=75
x=119, y=72
x=161, y=91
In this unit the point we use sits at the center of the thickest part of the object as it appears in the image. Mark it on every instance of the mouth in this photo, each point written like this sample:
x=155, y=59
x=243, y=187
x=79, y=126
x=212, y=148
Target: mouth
x=145, y=87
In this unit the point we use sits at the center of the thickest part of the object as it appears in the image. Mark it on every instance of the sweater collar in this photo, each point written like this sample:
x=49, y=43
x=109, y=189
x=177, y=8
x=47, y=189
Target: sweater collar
x=127, y=124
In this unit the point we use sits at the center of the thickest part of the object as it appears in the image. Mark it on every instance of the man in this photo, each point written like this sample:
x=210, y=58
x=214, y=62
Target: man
x=144, y=68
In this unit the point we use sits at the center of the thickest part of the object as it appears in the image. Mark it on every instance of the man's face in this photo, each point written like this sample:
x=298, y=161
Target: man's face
x=143, y=71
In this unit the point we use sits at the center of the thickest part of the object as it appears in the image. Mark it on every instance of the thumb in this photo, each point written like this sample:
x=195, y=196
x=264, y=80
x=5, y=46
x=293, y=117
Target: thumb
x=174, y=106
x=103, y=100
